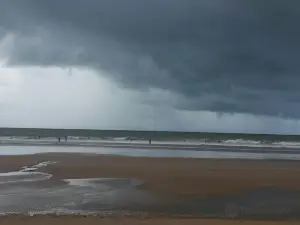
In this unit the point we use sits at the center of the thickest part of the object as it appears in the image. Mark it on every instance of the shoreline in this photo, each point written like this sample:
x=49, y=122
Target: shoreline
x=156, y=145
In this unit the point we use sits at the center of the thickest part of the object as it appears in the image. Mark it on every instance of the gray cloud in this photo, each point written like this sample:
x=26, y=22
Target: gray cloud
x=238, y=57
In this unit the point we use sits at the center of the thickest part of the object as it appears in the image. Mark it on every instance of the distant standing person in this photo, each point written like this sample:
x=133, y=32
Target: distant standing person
x=150, y=141
x=66, y=138
x=58, y=139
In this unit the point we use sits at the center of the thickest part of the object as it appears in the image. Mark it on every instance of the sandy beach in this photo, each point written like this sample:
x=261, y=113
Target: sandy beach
x=178, y=176
x=175, y=182
x=62, y=220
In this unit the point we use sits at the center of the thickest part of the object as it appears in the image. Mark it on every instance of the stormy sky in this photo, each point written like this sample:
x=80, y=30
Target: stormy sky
x=209, y=65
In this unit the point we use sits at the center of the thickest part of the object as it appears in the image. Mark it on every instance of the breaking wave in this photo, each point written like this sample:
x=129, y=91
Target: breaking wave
x=229, y=142
x=161, y=141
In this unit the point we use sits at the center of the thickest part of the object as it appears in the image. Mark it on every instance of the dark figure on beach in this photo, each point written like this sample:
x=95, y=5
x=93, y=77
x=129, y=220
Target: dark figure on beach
x=150, y=141
x=58, y=139
x=66, y=138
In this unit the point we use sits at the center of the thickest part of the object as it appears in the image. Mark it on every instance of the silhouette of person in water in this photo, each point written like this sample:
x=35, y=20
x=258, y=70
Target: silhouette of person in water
x=58, y=139
x=150, y=141
x=66, y=138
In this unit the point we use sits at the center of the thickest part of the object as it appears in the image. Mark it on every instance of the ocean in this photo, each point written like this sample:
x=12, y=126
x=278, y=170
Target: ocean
x=201, y=137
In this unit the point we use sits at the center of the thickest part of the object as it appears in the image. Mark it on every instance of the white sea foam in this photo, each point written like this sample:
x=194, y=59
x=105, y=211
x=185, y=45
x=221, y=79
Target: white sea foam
x=26, y=174
x=133, y=141
x=19, y=176
x=261, y=144
x=88, y=182
x=66, y=212
x=43, y=164
x=77, y=138
x=105, y=184
x=192, y=143
x=37, y=166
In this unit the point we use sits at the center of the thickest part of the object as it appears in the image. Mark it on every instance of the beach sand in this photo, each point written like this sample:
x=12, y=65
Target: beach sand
x=168, y=175
x=76, y=220
x=163, y=176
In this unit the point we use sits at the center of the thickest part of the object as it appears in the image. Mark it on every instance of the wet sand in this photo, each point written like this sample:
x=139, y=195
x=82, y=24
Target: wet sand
x=173, y=179
x=66, y=220
x=168, y=175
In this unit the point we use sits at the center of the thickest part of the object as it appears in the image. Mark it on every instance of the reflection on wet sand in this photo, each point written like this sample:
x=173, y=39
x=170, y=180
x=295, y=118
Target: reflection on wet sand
x=26, y=191
x=93, y=183
x=109, y=195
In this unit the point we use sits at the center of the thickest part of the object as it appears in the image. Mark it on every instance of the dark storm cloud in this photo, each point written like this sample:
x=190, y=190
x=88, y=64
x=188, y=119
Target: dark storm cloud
x=223, y=56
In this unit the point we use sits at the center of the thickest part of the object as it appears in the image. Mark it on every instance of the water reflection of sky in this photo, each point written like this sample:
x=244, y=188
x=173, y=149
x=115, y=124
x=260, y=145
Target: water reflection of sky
x=25, y=150
x=87, y=194
x=28, y=190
